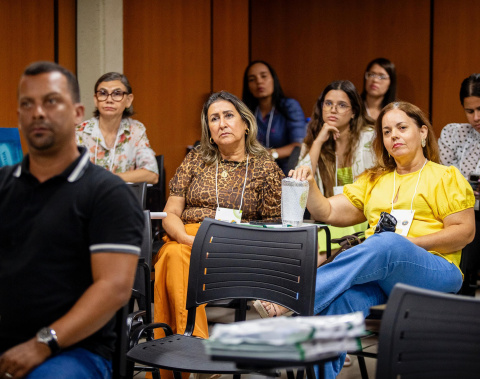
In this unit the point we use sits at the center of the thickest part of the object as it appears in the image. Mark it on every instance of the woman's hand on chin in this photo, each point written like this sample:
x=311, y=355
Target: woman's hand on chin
x=302, y=173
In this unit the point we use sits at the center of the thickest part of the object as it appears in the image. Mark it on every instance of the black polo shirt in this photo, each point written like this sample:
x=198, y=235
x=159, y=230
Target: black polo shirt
x=48, y=232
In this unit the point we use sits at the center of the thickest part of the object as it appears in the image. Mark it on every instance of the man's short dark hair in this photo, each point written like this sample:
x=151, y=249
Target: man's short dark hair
x=43, y=67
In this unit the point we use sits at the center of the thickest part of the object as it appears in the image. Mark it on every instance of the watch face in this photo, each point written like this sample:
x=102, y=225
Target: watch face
x=274, y=155
x=44, y=334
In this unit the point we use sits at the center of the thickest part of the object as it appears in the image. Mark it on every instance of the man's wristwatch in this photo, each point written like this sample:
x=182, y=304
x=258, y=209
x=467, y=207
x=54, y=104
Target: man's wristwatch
x=273, y=153
x=49, y=338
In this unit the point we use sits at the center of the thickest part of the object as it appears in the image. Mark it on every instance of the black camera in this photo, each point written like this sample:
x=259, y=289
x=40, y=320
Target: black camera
x=386, y=223
x=473, y=178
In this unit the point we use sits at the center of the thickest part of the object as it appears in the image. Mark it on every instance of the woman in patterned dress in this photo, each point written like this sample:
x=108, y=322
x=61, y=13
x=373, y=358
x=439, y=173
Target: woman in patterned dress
x=229, y=173
x=114, y=140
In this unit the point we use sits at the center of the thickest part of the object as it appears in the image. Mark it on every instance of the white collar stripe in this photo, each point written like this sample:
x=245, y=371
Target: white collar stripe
x=114, y=248
x=78, y=171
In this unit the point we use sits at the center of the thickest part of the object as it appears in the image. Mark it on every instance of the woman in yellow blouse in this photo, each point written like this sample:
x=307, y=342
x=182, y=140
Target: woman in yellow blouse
x=433, y=208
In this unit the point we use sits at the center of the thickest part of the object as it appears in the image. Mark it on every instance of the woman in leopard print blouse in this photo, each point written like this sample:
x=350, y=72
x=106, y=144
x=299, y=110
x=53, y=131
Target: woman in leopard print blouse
x=229, y=162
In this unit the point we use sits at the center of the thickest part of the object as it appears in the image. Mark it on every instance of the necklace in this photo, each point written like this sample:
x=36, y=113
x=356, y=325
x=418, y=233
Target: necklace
x=225, y=171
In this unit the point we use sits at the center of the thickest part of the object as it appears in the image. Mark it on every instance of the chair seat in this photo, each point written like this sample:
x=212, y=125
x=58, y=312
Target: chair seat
x=181, y=353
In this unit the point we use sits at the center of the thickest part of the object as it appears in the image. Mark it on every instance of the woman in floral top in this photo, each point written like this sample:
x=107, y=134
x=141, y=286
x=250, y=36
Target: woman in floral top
x=114, y=140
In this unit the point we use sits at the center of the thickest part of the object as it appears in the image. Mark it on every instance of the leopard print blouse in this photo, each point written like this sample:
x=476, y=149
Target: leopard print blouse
x=195, y=181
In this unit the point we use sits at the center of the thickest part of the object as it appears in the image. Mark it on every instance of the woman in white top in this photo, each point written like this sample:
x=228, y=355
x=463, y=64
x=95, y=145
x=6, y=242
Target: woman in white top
x=338, y=142
x=379, y=86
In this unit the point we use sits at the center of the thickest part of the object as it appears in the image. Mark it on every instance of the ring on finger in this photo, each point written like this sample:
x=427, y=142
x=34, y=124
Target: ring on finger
x=8, y=375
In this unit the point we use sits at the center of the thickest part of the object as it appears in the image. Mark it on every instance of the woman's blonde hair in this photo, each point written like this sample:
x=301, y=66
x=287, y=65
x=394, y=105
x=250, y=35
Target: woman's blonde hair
x=386, y=163
x=209, y=151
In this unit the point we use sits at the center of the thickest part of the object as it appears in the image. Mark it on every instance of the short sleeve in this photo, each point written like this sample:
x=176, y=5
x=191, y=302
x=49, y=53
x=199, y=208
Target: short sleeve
x=144, y=155
x=453, y=193
x=182, y=179
x=296, y=125
x=447, y=144
x=272, y=191
x=357, y=191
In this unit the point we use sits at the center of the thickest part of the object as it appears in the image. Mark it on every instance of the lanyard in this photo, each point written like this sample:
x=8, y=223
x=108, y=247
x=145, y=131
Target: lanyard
x=244, y=183
x=416, y=186
x=270, y=119
x=112, y=155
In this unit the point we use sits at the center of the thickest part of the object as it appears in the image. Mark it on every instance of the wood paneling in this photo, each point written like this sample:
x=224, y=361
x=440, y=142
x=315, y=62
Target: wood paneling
x=167, y=58
x=27, y=30
x=230, y=45
x=67, y=47
x=311, y=43
x=455, y=56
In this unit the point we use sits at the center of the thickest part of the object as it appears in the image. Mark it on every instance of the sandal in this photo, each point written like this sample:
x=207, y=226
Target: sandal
x=262, y=311
x=348, y=361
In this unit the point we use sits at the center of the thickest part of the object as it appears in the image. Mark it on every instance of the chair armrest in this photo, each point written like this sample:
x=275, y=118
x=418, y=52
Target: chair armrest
x=138, y=332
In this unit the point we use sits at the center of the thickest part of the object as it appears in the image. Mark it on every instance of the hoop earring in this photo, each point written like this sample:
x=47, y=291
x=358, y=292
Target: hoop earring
x=424, y=142
x=212, y=142
x=247, y=131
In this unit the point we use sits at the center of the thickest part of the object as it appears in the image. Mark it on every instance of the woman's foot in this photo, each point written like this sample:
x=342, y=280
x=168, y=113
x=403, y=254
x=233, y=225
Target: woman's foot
x=266, y=309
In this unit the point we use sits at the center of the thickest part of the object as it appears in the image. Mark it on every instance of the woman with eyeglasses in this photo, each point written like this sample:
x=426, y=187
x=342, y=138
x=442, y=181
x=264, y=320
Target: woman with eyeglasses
x=281, y=122
x=430, y=204
x=379, y=86
x=114, y=140
x=339, y=136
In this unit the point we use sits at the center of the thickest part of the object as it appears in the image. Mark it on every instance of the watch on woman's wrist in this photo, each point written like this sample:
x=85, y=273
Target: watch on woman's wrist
x=274, y=153
x=48, y=336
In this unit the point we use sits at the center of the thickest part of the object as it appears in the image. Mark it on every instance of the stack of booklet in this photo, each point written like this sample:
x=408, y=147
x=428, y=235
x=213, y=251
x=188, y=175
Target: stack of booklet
x=288, y=338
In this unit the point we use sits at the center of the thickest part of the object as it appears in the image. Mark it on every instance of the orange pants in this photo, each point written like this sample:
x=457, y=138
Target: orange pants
x=170, y=291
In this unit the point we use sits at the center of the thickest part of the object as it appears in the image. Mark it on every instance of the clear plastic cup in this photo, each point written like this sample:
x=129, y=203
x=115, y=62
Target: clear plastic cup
x=294, y=201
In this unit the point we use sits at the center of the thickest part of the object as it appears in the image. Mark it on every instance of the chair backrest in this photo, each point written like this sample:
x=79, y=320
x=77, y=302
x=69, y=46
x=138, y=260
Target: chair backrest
x=10, y=147
x=141, y=286
x=293, y=159
x=428, y=334
x=232, y=261
x=140, y=191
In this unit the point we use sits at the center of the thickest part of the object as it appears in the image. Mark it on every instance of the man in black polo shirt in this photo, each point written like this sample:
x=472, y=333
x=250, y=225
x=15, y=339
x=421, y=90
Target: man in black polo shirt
x=70, y=235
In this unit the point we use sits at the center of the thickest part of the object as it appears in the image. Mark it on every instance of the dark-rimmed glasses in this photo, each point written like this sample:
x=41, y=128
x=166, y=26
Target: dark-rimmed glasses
x=341, y=108
x=117, y=95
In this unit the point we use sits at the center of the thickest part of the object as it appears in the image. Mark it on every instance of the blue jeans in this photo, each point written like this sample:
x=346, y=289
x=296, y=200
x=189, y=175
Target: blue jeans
x=365, y=275
x=73, y=364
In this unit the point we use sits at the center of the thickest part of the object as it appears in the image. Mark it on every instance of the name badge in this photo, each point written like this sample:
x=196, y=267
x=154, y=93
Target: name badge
x=404, y=220
x=229, y=215
x=337, y=190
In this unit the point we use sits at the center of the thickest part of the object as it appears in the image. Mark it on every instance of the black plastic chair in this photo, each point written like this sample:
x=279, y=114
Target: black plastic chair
x=428, y=334
x=140, y=191
x=156, y=200
x=231, y=261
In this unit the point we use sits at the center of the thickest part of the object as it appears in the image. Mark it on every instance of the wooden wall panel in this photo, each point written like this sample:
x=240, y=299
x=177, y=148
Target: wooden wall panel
x=312, y=42
x=230, y=45
x=67, y=35
x=27, y=35
x=167, y=58
x=455, y=56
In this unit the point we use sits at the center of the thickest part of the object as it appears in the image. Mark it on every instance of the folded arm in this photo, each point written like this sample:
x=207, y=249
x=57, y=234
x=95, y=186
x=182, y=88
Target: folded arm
x=458, y=231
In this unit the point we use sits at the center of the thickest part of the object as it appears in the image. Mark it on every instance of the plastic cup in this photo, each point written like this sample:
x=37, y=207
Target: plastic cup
x=294, y=201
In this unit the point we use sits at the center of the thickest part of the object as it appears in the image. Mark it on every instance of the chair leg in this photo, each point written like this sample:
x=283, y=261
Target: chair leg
x=311, y=372
x=290, y=374
x=237, y=376
x=363, y=367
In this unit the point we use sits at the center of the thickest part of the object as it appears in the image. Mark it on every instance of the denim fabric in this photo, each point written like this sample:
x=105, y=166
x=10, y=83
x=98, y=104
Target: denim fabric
x=74, y=364
x=365, y=275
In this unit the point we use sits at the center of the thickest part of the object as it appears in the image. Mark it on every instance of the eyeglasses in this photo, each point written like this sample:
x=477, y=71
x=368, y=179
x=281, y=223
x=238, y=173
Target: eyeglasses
x=341, y=108
x=372, y=75
x=116, y=95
